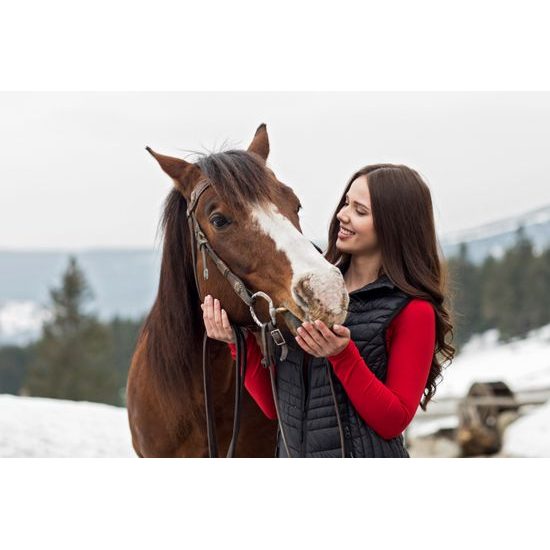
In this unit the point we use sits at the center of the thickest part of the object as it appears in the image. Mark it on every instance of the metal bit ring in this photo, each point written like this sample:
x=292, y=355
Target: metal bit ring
x=272, y=310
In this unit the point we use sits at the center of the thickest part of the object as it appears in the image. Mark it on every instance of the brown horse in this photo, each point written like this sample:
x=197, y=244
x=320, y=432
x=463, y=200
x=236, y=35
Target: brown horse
x=251, y=221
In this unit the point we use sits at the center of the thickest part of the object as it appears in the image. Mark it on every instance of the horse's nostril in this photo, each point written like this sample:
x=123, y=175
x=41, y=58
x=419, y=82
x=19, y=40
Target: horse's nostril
x=302, y=304
x=304, y=288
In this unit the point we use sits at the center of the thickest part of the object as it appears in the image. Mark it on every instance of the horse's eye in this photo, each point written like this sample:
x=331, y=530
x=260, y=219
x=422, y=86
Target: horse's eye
x=298, y=209
x=219, y=221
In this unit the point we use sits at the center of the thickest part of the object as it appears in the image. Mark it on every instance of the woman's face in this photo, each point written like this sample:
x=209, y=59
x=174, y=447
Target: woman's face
x=356, y=216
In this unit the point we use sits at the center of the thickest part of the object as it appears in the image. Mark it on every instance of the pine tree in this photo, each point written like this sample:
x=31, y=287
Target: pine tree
x=491, y=283
x=466, y=296
x=13, y=367
x=512, y=289
x=72, y=358
x=124, y=333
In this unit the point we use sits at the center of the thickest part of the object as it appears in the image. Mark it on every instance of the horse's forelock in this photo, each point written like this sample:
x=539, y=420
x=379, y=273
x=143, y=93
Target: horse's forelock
x=238, y=177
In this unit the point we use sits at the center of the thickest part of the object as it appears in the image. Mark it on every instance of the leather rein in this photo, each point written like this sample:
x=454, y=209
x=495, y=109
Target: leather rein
x=269, y=332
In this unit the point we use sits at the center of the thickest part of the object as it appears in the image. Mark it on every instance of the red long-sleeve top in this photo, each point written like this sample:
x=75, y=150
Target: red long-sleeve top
x=387, y=407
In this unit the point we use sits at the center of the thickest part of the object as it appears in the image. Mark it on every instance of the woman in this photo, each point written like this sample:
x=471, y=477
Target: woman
x=357, y=387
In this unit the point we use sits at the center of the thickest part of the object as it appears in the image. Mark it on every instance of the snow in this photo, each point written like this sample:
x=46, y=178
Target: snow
x=529, y=436
x=523, y=364
x=21, y=321
x=39, y=427
x=429, y=427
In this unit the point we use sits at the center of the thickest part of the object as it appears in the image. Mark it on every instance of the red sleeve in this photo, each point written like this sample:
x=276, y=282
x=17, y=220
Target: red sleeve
x=389, y=407
x=257, y=380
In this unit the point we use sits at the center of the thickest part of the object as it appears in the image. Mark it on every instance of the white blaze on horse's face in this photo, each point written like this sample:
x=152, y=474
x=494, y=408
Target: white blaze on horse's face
x=317, y=286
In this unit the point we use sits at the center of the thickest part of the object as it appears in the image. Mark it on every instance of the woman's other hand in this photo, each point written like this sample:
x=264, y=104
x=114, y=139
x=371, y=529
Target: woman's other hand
x=216, y=321
x=318, y=340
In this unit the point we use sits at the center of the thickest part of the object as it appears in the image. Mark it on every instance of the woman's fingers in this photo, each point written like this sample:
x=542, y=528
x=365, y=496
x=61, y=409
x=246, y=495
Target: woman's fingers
x=216, y=321
x=206, y=319
x=225, y=320
x=306, y=332
x=317, y=339
x=209, y=308
x=313, y=333
x=341, y=331
x=208, y=315
x=228, y=331
x=302, y=343
x=325, y=331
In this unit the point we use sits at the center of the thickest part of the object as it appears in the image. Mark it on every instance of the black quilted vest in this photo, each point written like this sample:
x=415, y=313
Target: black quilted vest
x=306, y=404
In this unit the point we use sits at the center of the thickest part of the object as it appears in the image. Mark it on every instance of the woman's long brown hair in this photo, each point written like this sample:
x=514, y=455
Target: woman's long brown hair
x=412, y=259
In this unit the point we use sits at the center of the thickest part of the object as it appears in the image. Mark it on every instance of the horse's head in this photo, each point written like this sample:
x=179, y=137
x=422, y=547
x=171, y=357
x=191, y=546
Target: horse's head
x=251, y=221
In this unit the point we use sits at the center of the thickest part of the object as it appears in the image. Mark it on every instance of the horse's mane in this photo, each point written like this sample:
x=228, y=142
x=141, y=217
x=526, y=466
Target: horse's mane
x=174, y=327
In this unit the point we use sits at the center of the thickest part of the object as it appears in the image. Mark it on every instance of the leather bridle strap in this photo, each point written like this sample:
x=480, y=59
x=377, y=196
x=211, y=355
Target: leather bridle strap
x=240, y=373
x=201, y=242
x=204, y=246
x=207, y=381
x=268, y=361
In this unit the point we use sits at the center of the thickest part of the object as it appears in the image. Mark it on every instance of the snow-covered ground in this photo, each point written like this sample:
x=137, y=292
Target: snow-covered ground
x=523, y=364
x=38, y=427
x=529, y=436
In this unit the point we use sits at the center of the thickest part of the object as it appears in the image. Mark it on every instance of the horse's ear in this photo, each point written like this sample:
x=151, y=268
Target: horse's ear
x=184, y=173
x=260, y=142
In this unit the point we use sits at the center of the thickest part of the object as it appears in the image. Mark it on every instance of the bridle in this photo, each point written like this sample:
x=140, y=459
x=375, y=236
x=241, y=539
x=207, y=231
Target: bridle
x=270, y=334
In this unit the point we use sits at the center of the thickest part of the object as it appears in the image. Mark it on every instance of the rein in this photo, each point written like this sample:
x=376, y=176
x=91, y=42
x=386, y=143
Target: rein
x=270, y=334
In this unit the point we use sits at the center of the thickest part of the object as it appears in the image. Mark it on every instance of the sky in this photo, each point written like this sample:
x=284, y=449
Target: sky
x=74, y=172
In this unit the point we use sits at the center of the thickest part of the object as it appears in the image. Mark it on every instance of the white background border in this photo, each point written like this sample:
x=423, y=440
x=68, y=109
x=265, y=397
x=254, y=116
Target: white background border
x=245, y=45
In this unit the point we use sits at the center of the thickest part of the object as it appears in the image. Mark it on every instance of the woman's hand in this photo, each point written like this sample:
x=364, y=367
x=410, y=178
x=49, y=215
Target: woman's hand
x=318, y=340
x=216, y=321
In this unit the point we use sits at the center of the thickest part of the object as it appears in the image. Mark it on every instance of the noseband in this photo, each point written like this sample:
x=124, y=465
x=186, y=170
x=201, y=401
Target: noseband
x=270, y=334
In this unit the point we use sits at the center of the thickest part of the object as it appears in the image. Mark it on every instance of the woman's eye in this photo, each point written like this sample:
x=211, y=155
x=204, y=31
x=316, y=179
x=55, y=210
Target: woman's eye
x=219, y=221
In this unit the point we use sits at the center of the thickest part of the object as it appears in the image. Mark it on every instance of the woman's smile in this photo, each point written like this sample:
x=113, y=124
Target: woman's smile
x=344, y=233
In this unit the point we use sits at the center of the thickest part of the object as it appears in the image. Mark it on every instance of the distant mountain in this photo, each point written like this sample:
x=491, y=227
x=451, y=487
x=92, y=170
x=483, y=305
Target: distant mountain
x=494, y=238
